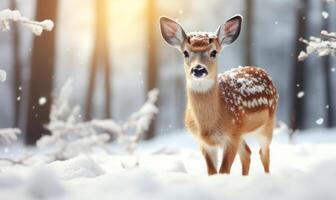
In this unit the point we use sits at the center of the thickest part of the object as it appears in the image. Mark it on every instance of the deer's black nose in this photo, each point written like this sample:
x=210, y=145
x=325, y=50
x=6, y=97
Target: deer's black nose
x=199, y=71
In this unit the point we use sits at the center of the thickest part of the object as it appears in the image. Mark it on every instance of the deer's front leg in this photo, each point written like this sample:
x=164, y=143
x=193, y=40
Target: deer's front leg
x=229, y=155
x=210, y=156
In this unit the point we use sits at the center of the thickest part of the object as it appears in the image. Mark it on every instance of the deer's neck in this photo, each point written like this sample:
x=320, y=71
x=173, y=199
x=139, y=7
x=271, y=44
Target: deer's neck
x=204, y=105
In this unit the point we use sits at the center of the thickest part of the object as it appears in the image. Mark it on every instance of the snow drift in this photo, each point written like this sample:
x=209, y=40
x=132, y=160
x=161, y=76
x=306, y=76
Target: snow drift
x=171, y=167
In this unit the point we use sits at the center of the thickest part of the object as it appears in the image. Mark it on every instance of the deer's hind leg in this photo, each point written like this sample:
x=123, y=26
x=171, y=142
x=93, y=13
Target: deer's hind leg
x=245, y=157
x=265, y=138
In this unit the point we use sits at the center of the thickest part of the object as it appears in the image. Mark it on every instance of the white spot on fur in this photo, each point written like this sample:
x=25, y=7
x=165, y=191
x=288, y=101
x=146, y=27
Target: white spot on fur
x=200, y=85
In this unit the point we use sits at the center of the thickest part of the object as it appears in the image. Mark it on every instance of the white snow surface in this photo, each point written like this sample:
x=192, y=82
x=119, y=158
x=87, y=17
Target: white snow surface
x=171, y=167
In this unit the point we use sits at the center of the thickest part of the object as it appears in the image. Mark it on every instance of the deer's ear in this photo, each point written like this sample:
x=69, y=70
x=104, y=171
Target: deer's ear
x=230, y=30
x=172, y=32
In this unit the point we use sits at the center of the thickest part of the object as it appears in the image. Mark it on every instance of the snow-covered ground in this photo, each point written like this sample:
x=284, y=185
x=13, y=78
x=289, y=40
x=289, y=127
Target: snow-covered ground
x=171, y=167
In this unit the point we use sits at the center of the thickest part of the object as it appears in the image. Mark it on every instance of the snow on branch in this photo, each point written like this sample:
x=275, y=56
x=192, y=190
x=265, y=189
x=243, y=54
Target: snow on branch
x=328, y=36
x=70, y=136
x=9, y=135
x=322, y=46
x=7, y=15
x=140, y=121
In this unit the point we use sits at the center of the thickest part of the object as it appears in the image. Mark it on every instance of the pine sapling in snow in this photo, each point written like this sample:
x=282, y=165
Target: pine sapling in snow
x=70, y=136
x=222, y=108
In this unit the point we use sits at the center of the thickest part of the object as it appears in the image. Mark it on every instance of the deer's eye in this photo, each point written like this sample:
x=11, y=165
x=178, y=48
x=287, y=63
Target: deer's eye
x=213, y=54
x=186, y=54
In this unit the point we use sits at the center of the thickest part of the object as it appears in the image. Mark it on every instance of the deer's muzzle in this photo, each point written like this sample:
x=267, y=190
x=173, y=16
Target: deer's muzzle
x=199, y=71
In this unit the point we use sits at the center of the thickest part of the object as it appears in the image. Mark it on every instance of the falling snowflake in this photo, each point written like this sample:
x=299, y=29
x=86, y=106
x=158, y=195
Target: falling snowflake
x=42, y=101
x=3, y=75
x=319, y=121
x=300, y=94
x=302, y=56
x=325, y=14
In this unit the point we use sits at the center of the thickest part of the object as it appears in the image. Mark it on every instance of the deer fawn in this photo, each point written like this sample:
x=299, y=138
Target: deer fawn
x=222, y=108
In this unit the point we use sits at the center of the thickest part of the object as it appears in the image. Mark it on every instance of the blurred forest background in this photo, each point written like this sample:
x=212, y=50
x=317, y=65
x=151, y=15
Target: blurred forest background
x=114, y=52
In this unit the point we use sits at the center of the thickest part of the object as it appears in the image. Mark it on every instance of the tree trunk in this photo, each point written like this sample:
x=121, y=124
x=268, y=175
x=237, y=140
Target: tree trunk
x=327, y=77
x=107, y=82
x=92, y=80
x=151, y=55
x=105, y=55
x=100, y=60
x=16, y=70
x=296, y=113
x=249, y=6
x=42, y=69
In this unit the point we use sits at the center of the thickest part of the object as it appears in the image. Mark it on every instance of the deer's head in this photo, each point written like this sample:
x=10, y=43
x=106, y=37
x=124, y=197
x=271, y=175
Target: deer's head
x=200, y=49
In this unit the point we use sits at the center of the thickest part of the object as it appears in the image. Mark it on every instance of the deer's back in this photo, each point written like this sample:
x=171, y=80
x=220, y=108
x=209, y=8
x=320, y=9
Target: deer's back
x=247, y=90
